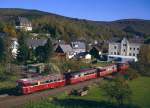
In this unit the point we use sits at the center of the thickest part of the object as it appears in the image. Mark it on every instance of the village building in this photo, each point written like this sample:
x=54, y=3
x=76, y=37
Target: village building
x=35, y=42
x=64, y=50
x=125, y=47
x=83, y=56
x=23, y=24
x=36, y=68
x=14, y=47
x=13, y=44
x=78, y=47
x=95, y=50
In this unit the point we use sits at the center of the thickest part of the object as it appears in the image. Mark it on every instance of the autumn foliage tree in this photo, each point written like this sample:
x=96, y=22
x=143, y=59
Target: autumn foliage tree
x=143, y=65
x=10, y=30
x=117, y=90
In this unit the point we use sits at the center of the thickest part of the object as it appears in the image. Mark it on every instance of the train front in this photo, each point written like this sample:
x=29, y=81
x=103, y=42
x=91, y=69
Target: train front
x=20, y=86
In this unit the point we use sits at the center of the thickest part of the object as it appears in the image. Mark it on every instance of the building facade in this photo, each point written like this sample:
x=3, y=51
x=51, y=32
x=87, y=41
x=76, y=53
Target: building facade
x=78, y=47
x=13, y=44
x=23, y=24
x=64, y=50
x=125, y=47
x=14, y=47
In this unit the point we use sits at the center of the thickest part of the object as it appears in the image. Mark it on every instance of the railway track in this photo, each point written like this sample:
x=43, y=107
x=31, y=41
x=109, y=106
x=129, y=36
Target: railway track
x=14, y=101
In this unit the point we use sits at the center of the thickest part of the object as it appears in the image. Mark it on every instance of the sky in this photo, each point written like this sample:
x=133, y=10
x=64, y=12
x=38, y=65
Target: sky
x=98, y=10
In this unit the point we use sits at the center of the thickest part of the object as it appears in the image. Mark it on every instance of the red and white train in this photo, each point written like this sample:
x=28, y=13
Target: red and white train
x=30, y=85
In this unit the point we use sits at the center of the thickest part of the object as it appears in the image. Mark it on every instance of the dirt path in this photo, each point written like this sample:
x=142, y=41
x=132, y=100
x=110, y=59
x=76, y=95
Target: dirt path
x=14, y=101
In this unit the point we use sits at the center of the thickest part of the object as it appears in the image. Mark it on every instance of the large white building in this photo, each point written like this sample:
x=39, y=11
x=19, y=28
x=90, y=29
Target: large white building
x=23, y=24
x=125, y=47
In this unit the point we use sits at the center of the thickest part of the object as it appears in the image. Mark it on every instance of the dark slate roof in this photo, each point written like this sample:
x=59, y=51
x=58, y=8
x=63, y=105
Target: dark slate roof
x=66, y=48
x=99, y=48
x=115, y=39
x=79, y=44
x=36, y=42
x=136, y=39
x=81, y=54
x=22, y=20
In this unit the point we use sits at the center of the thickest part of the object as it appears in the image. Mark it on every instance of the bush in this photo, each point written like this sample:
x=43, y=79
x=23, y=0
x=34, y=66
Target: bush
x=3, y=75
x=131, y=74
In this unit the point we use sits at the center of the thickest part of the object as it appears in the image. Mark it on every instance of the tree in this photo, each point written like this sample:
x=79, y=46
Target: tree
x=117, y=90
x=2, y=50
x=40, y=53
x=48, y=49
x=95, y=53
x=131, y=74
x=32, y=56
x=143, y=65
x=10, y=31
x=144, y=55
x=43, y=53
x=1, y=26
x=23, y=50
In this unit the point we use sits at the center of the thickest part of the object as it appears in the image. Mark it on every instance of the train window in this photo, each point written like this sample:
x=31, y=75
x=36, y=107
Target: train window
x=47, y=81
x=50, y=80
x=34, y=83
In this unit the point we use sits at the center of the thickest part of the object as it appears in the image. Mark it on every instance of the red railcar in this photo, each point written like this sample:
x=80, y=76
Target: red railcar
x=123, y=66
x=103, y=71
x=29, y=85
x=82, y=75
x=26, y=86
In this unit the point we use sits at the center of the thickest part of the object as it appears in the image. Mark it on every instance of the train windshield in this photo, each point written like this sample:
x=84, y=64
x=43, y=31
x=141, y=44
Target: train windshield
x=19, y=84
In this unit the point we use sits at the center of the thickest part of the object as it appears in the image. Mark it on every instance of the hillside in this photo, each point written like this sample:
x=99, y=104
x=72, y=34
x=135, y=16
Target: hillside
x=72, y=28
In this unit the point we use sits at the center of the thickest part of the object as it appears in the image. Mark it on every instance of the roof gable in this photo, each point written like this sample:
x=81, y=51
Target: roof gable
x=65, y=48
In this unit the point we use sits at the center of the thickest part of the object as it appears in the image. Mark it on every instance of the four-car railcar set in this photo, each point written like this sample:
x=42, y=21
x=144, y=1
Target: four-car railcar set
x=30, y=85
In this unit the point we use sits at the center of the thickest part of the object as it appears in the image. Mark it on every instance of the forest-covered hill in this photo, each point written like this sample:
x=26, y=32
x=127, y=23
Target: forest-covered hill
x=71, y=28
